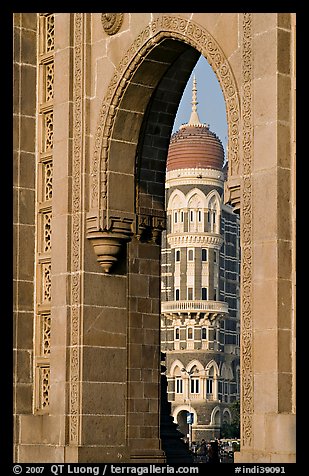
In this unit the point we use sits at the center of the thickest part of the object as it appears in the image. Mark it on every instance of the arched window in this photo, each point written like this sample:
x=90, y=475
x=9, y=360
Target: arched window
x=196, y=205
x=238, y=380
x=176, y=333
x=190, y=333
x=204, y=254
x=214, y=211
x=179, y=385
x=226, y=418
x=204, y=333
x=209, y=383
x=215, y=256
x=175, y=207
x=215, y=417
x=194, y=385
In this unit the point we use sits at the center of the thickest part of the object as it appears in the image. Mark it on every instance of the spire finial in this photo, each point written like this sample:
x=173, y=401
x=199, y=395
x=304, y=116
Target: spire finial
x=194, y=119
x=194, y=90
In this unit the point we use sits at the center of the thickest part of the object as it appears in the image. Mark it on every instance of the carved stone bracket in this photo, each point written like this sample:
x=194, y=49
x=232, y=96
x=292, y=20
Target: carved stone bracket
x=232, y=193
x=108, y=243
x=150, y=227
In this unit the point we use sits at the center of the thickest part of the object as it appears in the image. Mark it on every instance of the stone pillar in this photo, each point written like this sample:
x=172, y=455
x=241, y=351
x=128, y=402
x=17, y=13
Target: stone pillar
x=24, y=130
x=183, y=273
x=268, y=419
x=215, y=387
x=143, y=353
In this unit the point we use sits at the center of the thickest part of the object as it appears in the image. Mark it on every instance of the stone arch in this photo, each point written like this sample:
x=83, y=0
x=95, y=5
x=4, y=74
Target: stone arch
x=130, y=150
x=214, y=210
x=176, y=200
x=213, y=200
x=215, y=417
x=195, y=193
x=119, y=130
x=226, y=416
x=175, y=366
x=194, y=363
x=212, y=365
x=184, y=407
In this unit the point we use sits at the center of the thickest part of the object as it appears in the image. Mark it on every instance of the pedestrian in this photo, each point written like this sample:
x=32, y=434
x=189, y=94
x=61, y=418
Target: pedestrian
x=202, y=451
x=213, y=453
x=194, y=447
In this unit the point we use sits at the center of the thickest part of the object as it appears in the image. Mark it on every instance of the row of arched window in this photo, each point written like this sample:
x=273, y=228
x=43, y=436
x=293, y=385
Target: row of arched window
x=191, y=253
x=195, y=367
x=210, y=382
x=201, y=212
x=202, y=333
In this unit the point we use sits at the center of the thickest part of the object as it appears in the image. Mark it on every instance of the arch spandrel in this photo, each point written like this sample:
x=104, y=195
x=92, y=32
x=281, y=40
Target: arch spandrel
x=108, y=212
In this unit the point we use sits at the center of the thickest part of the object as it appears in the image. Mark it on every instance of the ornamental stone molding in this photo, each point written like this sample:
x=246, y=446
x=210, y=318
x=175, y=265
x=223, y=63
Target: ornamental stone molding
x=199, y=173
x=204, y=239
x=76, y=230
x=149, y=227
x=180, y=177
x=111, y=22
x=247, y=403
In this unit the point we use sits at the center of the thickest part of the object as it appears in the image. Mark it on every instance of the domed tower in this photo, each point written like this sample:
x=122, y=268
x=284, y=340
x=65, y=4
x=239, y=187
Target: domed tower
x=199, y=283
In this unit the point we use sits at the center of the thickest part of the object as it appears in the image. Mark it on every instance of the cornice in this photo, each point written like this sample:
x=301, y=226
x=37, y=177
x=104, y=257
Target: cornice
x=194, y=176
x=195, y=239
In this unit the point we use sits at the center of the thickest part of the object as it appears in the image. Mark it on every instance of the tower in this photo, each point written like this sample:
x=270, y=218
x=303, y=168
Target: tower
x=199, y=283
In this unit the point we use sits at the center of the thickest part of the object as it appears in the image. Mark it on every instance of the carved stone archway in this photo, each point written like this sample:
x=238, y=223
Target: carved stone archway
x=108, y=229
x=161, y=28
x=108, y=190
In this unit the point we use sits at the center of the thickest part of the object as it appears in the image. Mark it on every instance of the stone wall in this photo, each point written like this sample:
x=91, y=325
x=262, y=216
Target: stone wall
x=24, y=130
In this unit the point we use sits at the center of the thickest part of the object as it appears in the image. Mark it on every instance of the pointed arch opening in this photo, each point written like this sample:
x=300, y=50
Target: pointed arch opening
x=130, y=153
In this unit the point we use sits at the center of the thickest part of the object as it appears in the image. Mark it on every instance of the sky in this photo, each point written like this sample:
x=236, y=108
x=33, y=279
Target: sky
x=211, y=105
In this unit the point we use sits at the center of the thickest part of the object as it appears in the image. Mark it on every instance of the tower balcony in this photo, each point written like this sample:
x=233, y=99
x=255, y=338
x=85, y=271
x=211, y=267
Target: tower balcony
x=191, y=238
x=195, y=307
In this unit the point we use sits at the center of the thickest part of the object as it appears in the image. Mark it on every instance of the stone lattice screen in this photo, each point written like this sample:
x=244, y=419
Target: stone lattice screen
x=44, y=191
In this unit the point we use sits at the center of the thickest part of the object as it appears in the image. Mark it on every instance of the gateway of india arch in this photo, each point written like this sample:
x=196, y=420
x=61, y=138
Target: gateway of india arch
x=95, y=98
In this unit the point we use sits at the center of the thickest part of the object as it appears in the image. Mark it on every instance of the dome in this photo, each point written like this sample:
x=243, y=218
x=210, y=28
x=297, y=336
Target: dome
x=194, y=145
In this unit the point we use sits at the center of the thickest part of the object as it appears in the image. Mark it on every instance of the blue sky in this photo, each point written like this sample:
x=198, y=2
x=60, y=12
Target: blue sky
x=211, y=105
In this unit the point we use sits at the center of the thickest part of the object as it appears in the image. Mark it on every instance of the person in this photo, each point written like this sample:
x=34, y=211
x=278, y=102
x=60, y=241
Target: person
x=213, y=452
x=202, y=451
x=194, y=447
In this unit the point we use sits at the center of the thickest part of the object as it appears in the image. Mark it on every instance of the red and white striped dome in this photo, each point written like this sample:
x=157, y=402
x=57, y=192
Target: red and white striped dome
x=194, y=145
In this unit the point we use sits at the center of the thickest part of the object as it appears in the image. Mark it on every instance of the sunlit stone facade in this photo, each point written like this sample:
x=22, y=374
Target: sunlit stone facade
x=95, y=98
x=199, y=283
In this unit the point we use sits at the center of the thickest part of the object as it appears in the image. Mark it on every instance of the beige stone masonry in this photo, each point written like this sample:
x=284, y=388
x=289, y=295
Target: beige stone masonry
x=107, y=129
